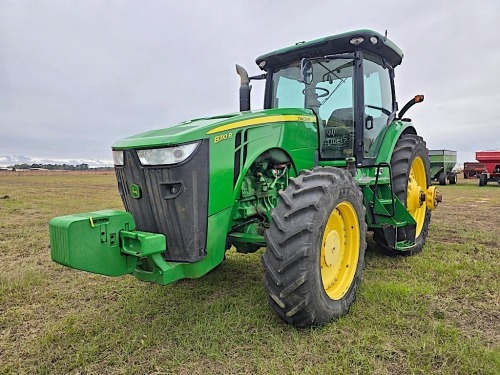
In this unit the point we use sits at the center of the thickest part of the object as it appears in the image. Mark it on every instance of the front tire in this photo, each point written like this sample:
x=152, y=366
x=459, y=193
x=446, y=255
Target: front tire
x=410, y=175
x=316, y=247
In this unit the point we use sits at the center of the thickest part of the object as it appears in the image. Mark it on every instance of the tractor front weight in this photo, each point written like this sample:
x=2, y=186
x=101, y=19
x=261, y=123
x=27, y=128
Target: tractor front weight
x=106, y=242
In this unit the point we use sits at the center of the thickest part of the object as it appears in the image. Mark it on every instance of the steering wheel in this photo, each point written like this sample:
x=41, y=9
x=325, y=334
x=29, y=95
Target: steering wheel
x=324, y=92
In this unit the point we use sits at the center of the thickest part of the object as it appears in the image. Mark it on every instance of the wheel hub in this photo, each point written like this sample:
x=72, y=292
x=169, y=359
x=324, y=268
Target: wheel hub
x=339, y=250
x=332, y=248
x=416, y=195
x=433, y=197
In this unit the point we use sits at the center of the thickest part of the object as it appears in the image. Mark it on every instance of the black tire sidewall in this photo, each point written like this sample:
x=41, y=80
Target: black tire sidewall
x=324, y=302
x=482, y=179
x=442, y=178
x=292, y=278
x=401, y=162
x=452, y=178
x=419, y=150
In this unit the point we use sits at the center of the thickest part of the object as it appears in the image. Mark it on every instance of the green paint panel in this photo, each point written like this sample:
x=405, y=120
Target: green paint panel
x=197, y=129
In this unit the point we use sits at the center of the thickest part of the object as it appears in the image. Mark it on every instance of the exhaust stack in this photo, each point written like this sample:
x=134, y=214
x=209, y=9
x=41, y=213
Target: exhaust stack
x=245, y=88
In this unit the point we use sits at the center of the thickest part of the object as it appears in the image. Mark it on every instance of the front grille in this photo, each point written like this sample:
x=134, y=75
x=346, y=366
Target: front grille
x=173, y=201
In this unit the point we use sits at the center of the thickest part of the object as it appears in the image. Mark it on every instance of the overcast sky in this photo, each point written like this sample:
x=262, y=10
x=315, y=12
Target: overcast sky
x=75, y=76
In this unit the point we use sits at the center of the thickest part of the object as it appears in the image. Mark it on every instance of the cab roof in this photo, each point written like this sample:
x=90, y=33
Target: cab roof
x=341, y=43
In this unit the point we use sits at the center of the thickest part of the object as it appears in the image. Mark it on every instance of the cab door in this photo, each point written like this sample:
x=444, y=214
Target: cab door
x=379, y=104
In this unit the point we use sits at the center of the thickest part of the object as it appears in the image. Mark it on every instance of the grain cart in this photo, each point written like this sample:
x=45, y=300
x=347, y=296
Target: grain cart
x=491, y=161
x=442, y=164
x=328, y=158
x=473, y=169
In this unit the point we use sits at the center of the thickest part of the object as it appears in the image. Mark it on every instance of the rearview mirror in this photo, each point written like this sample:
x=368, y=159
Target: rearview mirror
x=306, y=69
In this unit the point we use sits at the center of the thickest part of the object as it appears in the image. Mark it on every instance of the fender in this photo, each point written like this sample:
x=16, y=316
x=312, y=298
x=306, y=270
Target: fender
x=394, y=131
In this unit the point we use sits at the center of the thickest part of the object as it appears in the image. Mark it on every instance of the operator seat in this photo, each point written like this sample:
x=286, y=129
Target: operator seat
x=345, y=115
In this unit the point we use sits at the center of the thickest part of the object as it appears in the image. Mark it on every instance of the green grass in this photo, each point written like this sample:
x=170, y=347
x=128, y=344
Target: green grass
x=436, y=312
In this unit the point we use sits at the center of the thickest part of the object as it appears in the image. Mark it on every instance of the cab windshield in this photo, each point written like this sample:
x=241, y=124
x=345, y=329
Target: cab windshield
x=329, y=95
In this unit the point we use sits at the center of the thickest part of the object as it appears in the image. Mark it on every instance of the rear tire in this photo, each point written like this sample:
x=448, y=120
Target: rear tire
x=452, y=178
x=316, y=247
x=410, y=164
x=442, y=178
x=483, y=179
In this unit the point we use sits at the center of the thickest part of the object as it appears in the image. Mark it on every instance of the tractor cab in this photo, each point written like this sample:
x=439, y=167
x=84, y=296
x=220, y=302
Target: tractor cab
x=347, y=81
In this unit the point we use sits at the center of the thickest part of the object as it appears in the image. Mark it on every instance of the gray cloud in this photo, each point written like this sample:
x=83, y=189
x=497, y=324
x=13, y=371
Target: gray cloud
x=75, y=76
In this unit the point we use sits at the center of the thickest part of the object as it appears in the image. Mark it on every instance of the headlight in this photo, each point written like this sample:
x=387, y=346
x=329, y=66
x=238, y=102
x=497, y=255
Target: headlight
x=166, y=156
x=118, y=157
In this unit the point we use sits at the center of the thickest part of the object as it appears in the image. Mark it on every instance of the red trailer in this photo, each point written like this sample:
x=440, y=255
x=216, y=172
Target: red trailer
x=473, y=169
x=491, y=161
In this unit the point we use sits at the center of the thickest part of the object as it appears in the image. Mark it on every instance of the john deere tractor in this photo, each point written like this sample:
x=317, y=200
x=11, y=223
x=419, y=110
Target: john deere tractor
x=327, y=159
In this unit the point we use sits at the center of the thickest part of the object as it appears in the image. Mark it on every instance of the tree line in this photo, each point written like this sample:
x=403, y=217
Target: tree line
x=59, y=167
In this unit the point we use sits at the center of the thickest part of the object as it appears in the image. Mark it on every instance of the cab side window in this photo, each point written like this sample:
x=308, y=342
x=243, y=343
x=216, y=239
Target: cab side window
x=288, y=93
x=336, y=110
x=378, y=105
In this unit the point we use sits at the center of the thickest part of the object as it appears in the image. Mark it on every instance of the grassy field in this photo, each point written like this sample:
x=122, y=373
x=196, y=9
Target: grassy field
x=435, y=313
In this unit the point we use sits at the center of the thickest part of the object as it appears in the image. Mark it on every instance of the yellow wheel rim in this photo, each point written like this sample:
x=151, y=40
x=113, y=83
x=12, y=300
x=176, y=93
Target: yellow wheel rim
x=340, y=250
x=417, y=186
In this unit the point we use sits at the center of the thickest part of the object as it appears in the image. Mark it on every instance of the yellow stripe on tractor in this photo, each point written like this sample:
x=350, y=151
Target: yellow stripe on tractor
x=263, y=120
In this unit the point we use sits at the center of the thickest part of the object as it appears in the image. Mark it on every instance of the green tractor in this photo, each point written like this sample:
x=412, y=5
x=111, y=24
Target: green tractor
x=327, y=159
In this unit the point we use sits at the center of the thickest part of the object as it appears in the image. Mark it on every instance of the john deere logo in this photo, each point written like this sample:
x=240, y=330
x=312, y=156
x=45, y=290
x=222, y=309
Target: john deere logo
x=135, y=191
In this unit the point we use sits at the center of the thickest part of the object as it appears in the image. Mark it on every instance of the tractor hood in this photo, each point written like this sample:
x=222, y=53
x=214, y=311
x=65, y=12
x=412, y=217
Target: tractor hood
x=201, y=128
